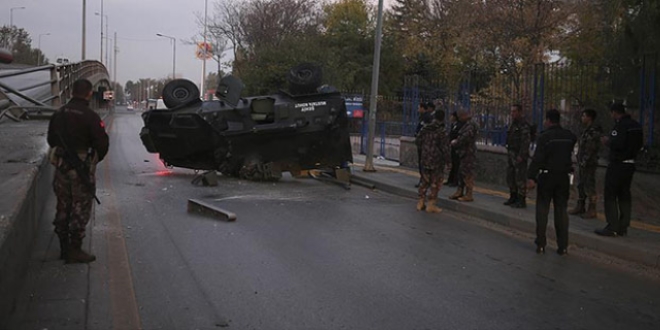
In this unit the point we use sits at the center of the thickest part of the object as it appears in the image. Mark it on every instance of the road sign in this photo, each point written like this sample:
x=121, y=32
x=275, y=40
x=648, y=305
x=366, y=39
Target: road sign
x=204, y=51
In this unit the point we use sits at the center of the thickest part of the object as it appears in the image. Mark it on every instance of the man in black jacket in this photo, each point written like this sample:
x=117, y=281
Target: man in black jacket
x=550, y=169
x=75, y=130
x=625, y=141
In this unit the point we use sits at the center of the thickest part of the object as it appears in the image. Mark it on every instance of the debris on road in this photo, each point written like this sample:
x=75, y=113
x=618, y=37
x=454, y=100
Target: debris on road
x=203, y=208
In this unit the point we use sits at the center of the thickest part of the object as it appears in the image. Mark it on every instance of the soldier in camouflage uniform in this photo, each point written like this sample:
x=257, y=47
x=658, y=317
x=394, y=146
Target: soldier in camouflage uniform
x=75, y=130
x=466, y=146
x=517, y=145
x=587, y=158
x=432, y=140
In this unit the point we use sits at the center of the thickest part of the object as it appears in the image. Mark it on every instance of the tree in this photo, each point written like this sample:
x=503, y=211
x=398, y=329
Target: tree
x=19, y=41
x=119, y=92
x=268, y=37
x=349, y=40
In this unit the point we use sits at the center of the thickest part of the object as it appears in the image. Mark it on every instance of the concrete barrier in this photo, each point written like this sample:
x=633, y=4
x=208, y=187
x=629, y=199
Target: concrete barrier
x=18, y=229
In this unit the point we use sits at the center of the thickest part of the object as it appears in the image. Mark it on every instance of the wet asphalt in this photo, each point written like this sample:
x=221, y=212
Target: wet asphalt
x=310, y=255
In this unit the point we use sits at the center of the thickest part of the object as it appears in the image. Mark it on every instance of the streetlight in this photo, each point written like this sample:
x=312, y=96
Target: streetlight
x=106, y=31
x=39, y=57
x=84, y=24
x=11, y=15
x=201, y=85
x=173, y=53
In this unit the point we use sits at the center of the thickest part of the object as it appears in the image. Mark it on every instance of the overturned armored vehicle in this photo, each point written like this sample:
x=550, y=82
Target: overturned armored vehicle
x=255, y=137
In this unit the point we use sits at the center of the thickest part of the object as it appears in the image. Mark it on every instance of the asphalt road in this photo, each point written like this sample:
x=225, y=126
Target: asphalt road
x=310, y=255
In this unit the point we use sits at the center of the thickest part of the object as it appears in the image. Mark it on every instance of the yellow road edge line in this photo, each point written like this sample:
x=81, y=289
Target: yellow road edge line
x=124, y=306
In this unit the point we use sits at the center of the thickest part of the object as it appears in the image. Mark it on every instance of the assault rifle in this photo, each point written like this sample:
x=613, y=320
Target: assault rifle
x=81, y=168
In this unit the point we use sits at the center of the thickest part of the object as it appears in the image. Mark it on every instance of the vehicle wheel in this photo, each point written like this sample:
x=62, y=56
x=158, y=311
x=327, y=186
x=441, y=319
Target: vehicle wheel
x=304, y=78
x=179, y=92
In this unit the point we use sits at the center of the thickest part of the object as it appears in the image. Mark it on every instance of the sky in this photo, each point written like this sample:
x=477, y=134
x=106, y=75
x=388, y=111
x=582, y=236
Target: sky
x=141, y=53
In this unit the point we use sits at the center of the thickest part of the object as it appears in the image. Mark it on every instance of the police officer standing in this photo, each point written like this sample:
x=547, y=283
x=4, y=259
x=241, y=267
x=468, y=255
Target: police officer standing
x=425, y=118
x=517, y=145
x=466, y=146
x=587, y=159
x=550, y=169
x=456, y=126
x=78, y=140
x=625, y=141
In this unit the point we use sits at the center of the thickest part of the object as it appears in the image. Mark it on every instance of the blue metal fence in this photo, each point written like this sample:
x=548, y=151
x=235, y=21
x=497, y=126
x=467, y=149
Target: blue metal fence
x=567, y=87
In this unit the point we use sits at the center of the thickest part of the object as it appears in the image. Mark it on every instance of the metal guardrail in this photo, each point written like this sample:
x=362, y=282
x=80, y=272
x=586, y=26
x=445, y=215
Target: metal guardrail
x=60, y=80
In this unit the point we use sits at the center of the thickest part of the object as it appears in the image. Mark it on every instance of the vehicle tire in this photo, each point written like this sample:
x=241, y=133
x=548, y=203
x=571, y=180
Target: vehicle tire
x=180, y=92
x=304, y=78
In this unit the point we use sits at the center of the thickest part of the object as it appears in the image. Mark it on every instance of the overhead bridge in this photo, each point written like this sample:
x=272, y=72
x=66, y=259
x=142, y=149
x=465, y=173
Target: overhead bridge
x=36, y=89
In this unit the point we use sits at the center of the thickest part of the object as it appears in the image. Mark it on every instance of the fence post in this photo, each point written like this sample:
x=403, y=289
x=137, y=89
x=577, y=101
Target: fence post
x=382, y=139
x=538, y=94
x=654, y=72
x=642, y=91
x=55, y=87
x=363, y=133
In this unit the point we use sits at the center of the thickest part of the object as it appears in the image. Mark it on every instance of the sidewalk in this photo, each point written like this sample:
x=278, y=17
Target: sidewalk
x=642, y=245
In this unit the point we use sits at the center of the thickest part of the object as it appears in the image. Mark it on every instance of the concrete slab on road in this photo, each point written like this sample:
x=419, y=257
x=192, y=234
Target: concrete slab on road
x=642, y=245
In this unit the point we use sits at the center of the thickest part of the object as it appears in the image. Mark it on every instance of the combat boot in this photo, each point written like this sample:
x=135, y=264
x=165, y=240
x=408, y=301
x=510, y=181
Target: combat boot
x=591, y=212
x=512, y=199
x=76, y=255
x=64, y=245
x=431, y=208
x=458, y=194
x=579, y=208
x=420, y=204
x=468, y=196
x=520, y=203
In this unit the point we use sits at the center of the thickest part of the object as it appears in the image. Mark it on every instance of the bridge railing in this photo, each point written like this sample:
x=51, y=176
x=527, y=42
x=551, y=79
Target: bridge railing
x=50, y=90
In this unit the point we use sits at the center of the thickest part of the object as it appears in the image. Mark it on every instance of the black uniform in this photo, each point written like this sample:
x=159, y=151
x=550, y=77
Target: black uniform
x=550, y=167
x=626, y=139
x=455, y=159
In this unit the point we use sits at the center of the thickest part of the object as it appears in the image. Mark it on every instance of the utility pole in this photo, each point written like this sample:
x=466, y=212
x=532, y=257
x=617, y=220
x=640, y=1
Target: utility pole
x=201, y=85
x=369, y=163
x=101, y=54
x=107, y=35
x=114, y=67
x=84, y=17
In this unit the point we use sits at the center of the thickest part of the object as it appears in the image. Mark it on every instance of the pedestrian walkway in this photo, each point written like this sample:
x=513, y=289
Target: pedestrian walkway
x=642, y=245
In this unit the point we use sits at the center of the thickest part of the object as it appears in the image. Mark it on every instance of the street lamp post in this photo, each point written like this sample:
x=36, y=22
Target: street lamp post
x=203, y=82
x=173, y=53
x=39, y=55
x=11, y=15
x=106, y=35
x=84, y=23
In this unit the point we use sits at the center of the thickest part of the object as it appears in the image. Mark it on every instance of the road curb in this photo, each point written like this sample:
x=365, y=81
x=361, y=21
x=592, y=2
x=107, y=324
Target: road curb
x=616, y=247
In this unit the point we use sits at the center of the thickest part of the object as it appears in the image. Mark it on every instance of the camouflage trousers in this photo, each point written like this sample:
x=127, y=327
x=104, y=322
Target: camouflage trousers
x=516, y=176
x=431, y=178
x=74, y=202
x=586, y=182
x=466, y=170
